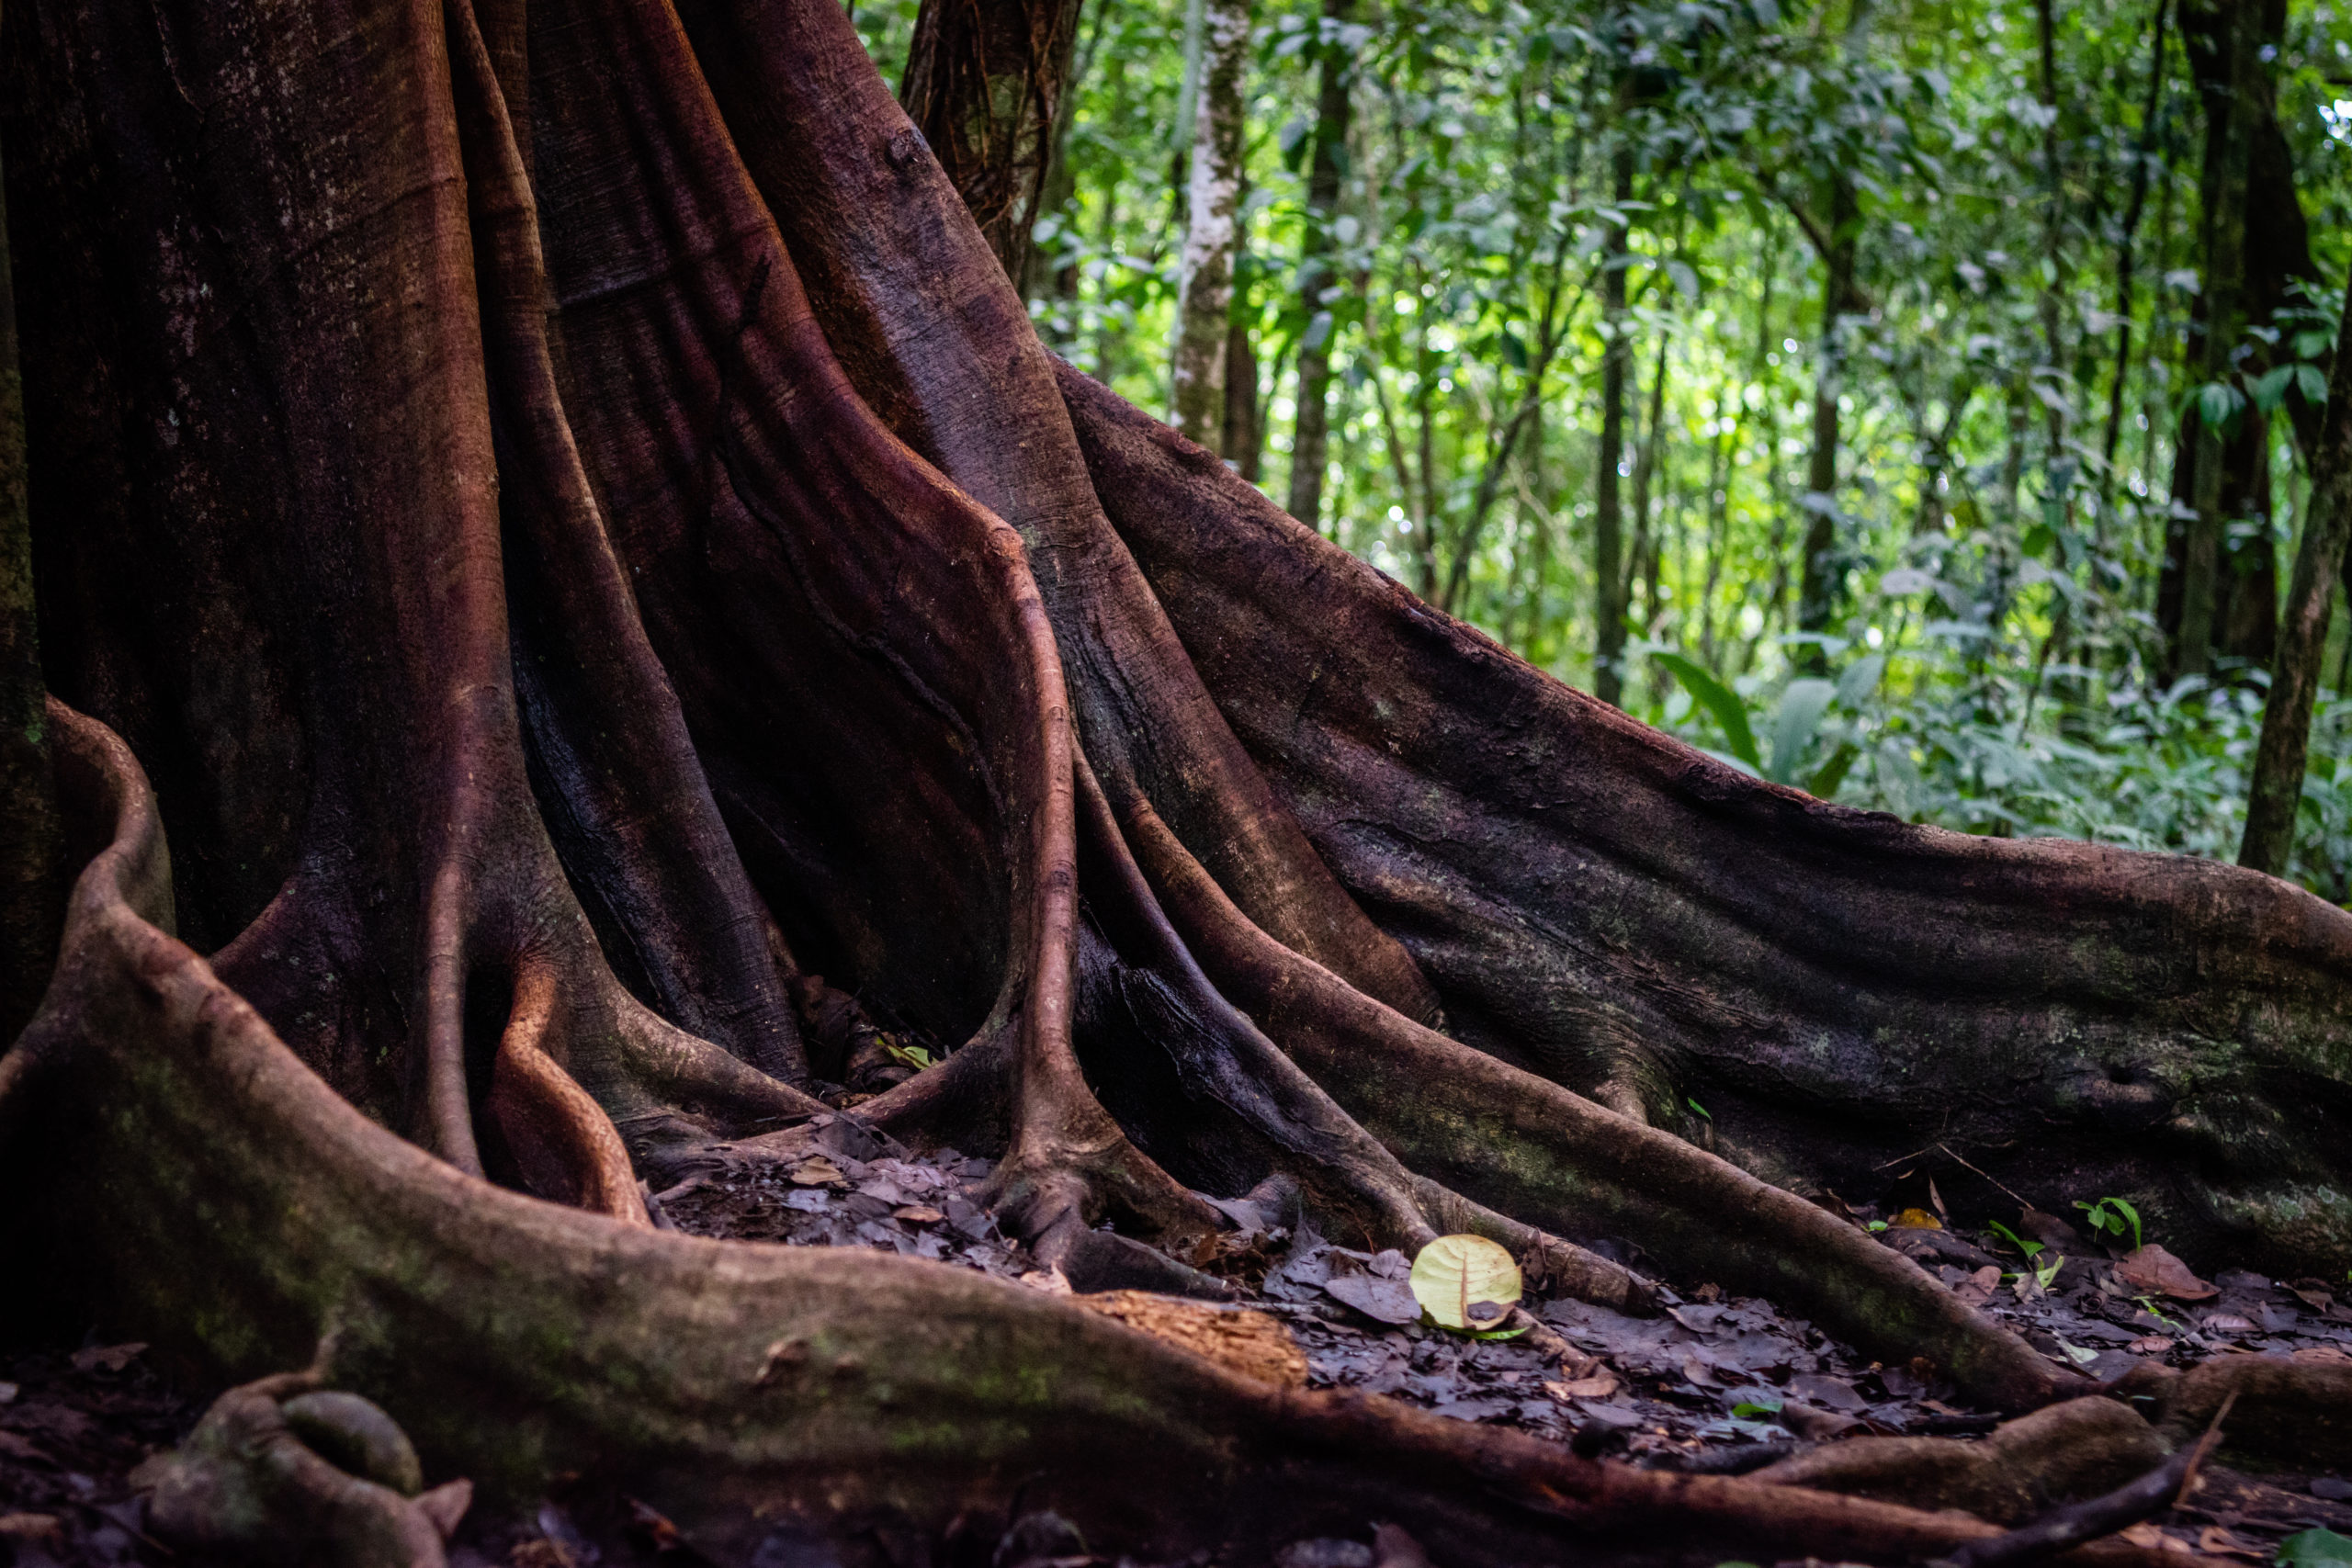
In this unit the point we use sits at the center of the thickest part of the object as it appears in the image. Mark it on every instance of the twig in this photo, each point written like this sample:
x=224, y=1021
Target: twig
x=2161, y=1488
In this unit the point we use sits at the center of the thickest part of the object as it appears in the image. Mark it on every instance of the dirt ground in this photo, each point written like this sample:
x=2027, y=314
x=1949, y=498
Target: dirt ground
x=1717, y=1382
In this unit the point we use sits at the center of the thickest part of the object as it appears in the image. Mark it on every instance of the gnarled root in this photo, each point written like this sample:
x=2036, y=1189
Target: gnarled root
x=279, y=1473
x=2058, y=1454
x=248, y=1213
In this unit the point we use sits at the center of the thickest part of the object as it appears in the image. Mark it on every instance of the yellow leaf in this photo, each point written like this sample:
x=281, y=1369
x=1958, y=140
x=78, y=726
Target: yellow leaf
x=1465, y=1282
x=1915, y=1220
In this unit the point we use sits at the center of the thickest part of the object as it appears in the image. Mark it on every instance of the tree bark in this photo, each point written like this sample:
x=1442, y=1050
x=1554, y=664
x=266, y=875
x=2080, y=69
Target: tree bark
x=1318, y=282
x=988, y=83
x=31, y=845
x=1204, y=293
x=1609, y=578
x=2276, y=790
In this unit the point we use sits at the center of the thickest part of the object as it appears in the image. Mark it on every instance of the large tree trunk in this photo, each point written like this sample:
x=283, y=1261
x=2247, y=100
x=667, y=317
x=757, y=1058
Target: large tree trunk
x=568, y=514
x=987, y=83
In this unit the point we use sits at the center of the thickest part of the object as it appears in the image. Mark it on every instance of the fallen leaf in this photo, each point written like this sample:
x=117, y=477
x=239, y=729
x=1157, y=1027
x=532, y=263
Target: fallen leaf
x=1830, y=1393
x=2214, y=1538
x=2150, y=1344
x=1465, y=1282
x=1385, y=1301
x=112, y=1358
x=15, y=1447
x=2325, y=1354
x=1052, y=1282
x=2313, y=1295
x=818, y=1172
x=1915, y=1220
x=2157, y=1271
x=1598, y=1387
x=2226, y=1322
x=652, y=1528
x=917, y=1214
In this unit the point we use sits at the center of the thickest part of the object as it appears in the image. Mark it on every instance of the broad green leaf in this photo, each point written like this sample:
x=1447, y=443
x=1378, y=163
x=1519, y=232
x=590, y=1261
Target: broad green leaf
x=1465, y=1282
x=2313, y=384
x=1859, y=679
x=1794, y=723
x=1723, y=704
x=2317, y=1547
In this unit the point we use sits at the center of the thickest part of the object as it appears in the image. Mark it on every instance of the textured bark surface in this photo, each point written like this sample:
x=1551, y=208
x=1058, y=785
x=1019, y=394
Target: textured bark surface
x=566, y=512
x=1212, y=200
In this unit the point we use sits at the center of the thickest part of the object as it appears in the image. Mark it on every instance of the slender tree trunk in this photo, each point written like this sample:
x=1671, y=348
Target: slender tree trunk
x=1204, y=293
x=2143, y=153
x=1243, y=440
x=987, y=84
x=1645, y=459
x=29, y=843
x=1817, y=590
x=1609, y=520
x=2232, y=102
x=1317, y=277
x=2276, y=787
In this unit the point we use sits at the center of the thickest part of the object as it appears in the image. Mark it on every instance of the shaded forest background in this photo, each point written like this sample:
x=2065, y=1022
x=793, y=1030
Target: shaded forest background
x=1831, y=386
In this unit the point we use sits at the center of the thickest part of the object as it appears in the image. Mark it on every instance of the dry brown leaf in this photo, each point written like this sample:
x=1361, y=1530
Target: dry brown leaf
x=1915, y=1220
x=1250, y=1343
x=818, y=1172
x=1596, y=1387
x=917, y=1214
x=2150, y=1344
x=2152, y=1269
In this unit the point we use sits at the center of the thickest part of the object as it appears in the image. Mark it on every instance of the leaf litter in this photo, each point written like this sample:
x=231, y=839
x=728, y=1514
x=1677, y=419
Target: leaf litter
x=1716, y=1383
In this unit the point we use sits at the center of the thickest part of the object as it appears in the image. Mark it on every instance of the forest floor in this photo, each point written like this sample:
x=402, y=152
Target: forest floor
x=1720, y=1383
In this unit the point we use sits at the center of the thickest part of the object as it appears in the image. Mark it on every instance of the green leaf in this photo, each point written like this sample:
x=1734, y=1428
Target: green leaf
x=2271, y=388
x=1696, y=1105
x=1793, y=725
x=1859, y=679
x=1465, y=1282
x=1831, y=773
x=2313, y=384
x=1729, y=713
x=2030, y=1249
x=2317, y=1547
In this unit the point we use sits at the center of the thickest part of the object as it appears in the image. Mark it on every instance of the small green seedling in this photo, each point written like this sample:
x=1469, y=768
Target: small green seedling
x=1696, y=1107
x=2113, y=1216
x=2030, y=1249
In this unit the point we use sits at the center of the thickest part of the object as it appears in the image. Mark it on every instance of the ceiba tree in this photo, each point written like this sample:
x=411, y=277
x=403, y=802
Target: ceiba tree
x=556, y=516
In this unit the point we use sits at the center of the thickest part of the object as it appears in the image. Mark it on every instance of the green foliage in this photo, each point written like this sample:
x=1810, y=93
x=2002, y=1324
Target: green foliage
x=1994, y=659
x=2112, y=1216
x=2315, y=1548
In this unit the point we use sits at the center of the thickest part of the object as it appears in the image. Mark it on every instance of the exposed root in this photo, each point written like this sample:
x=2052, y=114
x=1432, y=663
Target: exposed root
x=2285, y=1411
x=2058, y=1454
x=276, y=1474
x=709, y=1375
x=2162, y=1487
x=566, y=1145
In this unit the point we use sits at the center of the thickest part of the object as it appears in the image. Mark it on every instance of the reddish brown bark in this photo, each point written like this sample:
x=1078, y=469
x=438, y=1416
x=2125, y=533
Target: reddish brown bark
x=569, y=515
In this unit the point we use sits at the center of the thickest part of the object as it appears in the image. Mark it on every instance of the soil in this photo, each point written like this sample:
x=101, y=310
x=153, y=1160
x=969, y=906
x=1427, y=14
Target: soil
x=1718, y=1383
